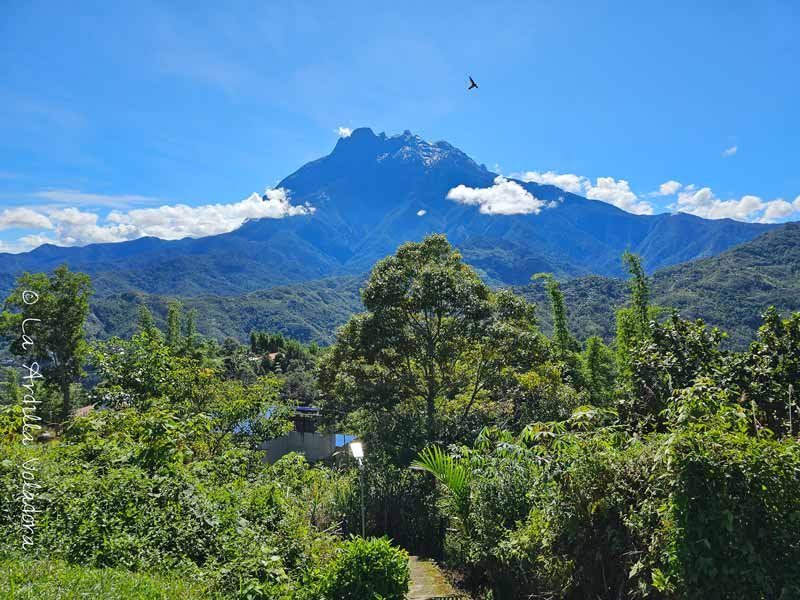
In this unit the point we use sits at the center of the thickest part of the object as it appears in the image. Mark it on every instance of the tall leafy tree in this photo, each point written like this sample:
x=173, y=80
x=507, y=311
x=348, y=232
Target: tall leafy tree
x=564, y=342
x=191, y=330
x=640, y=292
x=598, y=370
x=633, y=322
x=433, y=335
x=54, y=308
x=174, y=312
x=147, y=324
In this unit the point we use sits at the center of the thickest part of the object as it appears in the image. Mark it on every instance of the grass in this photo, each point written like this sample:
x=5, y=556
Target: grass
x=58, y=580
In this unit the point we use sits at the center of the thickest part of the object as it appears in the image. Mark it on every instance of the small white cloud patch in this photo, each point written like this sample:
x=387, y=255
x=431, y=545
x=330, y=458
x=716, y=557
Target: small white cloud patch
x=505, y=197
x=668, y=188
x=566, y=181
x=344, y=132
x=618, y=192
x=730, y=151
x=422, y=212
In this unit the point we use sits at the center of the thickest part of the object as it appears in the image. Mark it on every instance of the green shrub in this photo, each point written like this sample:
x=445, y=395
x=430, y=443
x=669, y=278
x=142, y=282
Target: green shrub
x=733, y=525
x=248, y=534
x=366, y=569
x=708, y=510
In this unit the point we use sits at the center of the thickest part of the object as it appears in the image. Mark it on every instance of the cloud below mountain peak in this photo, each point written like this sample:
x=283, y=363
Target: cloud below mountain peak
x=75, y=227
x=505, y=197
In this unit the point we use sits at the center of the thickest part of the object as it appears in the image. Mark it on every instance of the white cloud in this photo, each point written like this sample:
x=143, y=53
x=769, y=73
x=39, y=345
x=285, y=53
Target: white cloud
x=503, y=198
x=344, y=132
x=565, y=181
x=668, y=188
x=704, y=203
x=72, y=226
x=730, y=151
x=422, y=212
x=179, y=220
x=776, y=210
x=618, y=193
x=607, y=189
x=23, y=218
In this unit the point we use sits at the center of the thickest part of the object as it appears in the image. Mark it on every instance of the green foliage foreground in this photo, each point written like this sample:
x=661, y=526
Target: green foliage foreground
x=582, y=508
x=167, y=480
x=662, y=466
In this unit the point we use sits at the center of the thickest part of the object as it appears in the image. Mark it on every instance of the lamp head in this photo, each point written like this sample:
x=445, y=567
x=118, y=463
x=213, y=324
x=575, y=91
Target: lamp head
x=357, y=450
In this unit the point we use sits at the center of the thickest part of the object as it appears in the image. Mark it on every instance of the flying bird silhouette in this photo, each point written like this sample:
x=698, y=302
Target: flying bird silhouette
x=472, y=83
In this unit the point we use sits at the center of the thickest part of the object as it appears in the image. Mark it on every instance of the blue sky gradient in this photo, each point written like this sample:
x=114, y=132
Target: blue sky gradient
x=107, y=108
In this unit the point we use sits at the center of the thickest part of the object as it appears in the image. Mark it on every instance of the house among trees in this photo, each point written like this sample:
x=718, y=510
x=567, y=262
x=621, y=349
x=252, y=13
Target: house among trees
x=305, y=439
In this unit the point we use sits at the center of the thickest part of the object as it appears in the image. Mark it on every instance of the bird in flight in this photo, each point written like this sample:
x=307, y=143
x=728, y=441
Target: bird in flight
x=472, y=83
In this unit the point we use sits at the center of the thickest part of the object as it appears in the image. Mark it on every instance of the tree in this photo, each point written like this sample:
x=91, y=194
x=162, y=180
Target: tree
x=640, y=291
x=598, y=370
x=191, y=330
x=674, y=355
x=10, y=390
x=147, y=324
x=174, y=324
x=52, y=309
x=563, y=340
x=768, y=374
x=434, y=336
x=633, y=322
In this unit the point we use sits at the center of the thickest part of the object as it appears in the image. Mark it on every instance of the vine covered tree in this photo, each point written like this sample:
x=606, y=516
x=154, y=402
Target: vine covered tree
x=633, y=322
x=147, y=324
x=191, y=330
x=174, y=325
x=563, y=340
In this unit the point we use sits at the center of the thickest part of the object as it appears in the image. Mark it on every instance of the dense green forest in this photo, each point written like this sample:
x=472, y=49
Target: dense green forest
x=652, y=462
x=729, y=291
x=309, y=312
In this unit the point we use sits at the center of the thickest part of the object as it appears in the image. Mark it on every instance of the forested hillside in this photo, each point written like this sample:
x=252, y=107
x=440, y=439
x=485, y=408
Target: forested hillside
x=310, y=311
x=730, y=290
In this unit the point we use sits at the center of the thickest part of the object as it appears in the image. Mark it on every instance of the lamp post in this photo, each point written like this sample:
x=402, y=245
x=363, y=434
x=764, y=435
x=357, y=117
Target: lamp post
x=357, y=450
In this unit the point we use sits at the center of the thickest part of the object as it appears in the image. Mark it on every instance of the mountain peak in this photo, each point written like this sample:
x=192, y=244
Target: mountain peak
x=406, y=147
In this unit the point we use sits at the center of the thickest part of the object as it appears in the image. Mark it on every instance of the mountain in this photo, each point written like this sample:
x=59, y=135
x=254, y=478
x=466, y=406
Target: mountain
x=730, y=291
x=372, y=193
x=309, y=311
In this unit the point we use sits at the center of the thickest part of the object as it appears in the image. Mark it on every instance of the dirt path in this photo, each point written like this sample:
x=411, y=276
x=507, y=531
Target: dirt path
x=427, y=581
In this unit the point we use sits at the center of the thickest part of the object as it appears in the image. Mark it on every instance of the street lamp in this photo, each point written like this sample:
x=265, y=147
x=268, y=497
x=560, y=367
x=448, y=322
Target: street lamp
x=357, y=450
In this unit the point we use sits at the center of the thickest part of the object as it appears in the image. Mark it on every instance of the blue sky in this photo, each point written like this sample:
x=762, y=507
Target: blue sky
x=109, y=110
